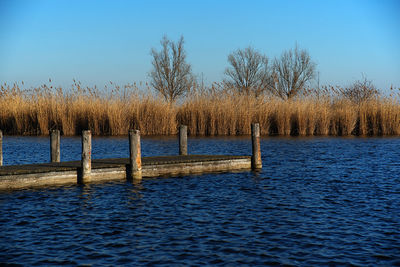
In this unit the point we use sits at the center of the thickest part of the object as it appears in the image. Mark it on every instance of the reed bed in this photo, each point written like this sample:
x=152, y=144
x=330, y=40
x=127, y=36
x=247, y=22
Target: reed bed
x=113, y=111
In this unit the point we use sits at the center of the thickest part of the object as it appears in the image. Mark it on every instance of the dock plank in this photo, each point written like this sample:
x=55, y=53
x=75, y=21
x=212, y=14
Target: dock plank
x=133, y=168
x=110, y=163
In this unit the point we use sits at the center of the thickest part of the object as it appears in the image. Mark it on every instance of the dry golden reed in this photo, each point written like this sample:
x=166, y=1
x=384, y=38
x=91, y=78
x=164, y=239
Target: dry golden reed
x=206, y=112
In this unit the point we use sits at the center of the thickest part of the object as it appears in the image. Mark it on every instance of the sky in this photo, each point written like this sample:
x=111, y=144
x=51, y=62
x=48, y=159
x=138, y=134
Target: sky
x=96, y=42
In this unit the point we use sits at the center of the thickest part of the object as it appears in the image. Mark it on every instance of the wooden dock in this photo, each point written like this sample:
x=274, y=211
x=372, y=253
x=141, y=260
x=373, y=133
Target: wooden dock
x=133, y=168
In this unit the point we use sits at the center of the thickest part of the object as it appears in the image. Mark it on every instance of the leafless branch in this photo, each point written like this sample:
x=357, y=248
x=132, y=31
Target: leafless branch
x=248, y=71
x=291, y=72
x=171, y=75
x=360, y=91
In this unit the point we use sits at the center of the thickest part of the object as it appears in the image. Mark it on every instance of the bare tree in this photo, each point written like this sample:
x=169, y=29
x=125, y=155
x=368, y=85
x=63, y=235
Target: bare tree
x=248, y=71
x=360, y=91
x=171, y=75
x=291, y=72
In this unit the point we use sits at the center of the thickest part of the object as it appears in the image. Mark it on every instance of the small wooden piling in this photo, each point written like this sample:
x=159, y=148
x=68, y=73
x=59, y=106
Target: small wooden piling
x=256, y=162
x=1, y=148
x=134, y=170
x=55, y=146
x=86, y=162
x=183, y=140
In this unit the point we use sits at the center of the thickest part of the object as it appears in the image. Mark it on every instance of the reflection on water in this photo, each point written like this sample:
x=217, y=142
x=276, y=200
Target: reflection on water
x=317, y=201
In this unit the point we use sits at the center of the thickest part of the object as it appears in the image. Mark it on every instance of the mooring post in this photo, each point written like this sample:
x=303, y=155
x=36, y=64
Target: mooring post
x=256, y=162
x=55, y=146
x=182, y=140
x=1, y=148
x=134, y=170
x=86, y=163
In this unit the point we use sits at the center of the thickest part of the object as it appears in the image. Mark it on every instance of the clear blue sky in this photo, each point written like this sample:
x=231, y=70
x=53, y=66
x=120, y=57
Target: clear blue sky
x=100, y=41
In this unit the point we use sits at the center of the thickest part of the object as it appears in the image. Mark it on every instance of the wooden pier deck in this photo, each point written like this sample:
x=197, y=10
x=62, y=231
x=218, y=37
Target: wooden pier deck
x=58, y=173
x=133, y=168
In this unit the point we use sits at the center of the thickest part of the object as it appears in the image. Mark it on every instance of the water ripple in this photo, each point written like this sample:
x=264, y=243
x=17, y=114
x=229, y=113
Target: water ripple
x=318, y=201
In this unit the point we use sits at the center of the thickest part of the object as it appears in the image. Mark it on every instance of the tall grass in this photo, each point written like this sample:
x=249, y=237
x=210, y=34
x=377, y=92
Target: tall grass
x=209, y=112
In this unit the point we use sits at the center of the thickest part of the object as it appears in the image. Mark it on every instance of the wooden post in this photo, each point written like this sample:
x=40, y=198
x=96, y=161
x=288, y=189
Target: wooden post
x=86, y=163
x=134, y=170
x=55, y=146
x=1, y=148
x=182, y=140
x=256, y=162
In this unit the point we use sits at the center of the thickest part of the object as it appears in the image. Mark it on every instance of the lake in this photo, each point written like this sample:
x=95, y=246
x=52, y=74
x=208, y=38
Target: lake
x=317, y=201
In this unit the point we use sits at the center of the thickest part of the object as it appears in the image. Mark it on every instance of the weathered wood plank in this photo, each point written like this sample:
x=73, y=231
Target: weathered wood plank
x=54, y=173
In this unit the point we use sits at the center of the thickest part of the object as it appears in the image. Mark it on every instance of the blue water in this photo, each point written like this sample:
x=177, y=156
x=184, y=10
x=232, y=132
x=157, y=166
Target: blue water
x=317, y=201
